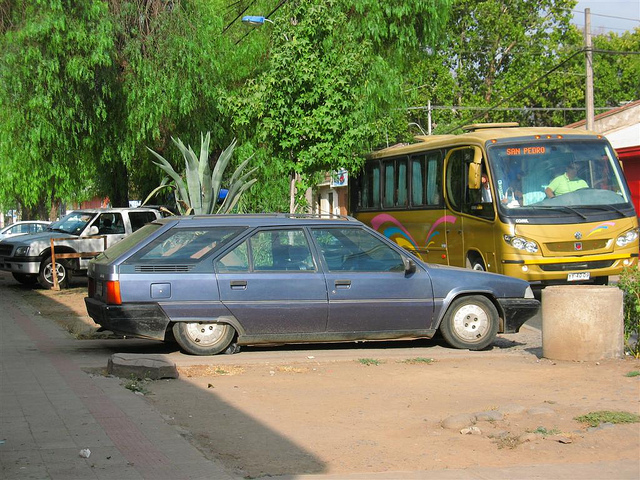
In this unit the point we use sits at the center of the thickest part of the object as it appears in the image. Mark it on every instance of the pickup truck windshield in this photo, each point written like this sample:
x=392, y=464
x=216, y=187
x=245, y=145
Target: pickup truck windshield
x=558, y=175
x=73, y=223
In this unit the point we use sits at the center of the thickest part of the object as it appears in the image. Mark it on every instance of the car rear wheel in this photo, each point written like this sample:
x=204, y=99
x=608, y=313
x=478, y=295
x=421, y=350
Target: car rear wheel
x=203, y=338
x=25, y=279
x=470, y=323
x=46, y=273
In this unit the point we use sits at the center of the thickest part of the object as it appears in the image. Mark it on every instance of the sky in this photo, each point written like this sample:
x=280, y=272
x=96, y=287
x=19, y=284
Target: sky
x=608, y=16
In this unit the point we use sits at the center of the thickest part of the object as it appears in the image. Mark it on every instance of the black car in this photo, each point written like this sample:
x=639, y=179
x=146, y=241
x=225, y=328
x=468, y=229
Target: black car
x=220, y=281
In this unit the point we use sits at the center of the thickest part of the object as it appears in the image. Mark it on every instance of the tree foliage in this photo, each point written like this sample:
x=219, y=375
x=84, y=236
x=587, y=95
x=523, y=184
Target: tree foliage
x=86, y=85
x=56, y=74
x=327, y=93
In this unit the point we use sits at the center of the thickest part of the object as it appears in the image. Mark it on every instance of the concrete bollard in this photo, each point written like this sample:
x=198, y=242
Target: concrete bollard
x=582, y=322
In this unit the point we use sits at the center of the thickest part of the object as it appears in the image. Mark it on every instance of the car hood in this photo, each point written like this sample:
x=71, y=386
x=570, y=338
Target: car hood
x=456, y=280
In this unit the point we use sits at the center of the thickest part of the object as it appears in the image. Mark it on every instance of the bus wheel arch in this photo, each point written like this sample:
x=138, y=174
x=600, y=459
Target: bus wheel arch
x=475, y=261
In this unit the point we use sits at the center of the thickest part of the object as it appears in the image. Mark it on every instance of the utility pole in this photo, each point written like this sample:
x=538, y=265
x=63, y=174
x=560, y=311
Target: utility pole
x=588, y=97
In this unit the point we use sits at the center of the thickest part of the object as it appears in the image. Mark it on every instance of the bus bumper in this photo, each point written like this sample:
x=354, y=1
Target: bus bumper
x=568, y=270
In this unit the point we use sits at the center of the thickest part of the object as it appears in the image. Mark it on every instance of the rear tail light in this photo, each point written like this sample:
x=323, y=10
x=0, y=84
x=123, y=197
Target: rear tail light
x=92, y=287
x=112, y=289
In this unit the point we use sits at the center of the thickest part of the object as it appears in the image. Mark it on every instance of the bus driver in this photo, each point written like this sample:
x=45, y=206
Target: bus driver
x=566, y=183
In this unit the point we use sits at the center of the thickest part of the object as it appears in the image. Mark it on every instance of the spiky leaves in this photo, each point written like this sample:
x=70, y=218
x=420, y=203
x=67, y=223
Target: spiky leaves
x=199, y=190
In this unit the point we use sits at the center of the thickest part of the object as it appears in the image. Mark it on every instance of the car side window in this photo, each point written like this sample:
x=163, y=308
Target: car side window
x=237, y=260
x=110, y=224
x=139, y=219
x=281, y=250
x=356, y=250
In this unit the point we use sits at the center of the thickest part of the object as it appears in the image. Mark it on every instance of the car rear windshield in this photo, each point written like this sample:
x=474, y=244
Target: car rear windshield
x=185, y=245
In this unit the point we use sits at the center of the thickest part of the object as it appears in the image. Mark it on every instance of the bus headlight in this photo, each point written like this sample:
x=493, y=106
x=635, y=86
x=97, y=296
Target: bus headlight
x=521, y=243
x=627, y=237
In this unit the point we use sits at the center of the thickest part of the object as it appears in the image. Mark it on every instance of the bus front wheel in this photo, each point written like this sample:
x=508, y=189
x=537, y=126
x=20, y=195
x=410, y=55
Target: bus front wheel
x=476, y=263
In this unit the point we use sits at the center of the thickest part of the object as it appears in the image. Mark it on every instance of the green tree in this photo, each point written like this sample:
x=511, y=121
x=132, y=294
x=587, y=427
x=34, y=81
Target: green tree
x=327, y=94
x=494, y=49
x=56, y=74
x=616, y=68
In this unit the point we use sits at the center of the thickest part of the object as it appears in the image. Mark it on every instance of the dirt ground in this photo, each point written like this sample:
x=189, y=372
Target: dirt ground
x=386, y=409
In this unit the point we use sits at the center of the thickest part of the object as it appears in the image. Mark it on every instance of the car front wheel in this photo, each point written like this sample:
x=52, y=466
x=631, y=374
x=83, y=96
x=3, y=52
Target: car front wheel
x=45, y=278
x=203, y=338
x=470, y=323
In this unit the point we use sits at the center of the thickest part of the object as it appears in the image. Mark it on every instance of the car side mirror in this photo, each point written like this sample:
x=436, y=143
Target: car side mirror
x=409, y=266
x=93, y=230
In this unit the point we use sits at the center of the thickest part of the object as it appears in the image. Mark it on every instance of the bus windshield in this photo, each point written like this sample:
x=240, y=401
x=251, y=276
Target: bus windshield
x=555, y=175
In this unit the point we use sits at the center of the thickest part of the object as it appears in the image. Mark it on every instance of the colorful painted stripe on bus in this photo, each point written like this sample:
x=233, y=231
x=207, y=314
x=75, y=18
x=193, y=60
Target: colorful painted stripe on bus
x=601, y=227
x=401, y=235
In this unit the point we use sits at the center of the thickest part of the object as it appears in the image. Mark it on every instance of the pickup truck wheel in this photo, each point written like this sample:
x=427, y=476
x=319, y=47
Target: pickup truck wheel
x=470, y=323
x=46, y=273
x=25, y=279
x=203, y=338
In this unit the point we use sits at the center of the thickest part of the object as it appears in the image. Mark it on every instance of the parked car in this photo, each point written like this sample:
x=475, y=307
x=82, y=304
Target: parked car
x=220, y=281
x=28, y=257
x=23, y=228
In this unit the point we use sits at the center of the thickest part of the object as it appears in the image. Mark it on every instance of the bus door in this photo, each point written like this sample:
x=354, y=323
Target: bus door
x=470, y=233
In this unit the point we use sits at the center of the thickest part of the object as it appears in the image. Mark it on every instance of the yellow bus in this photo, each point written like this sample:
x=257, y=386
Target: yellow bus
x=548, y=205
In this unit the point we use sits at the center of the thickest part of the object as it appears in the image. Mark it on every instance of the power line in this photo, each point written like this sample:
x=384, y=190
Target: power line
x=474, y=117
x=607, y=16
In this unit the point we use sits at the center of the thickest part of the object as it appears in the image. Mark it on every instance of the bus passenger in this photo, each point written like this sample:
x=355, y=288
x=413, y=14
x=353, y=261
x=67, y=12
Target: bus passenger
x=566, y=183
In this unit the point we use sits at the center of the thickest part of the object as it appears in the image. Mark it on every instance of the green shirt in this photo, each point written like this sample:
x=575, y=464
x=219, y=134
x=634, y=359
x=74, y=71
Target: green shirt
x=562, y=184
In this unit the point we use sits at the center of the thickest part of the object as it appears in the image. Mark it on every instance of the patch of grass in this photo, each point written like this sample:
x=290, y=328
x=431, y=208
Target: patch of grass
x=369, y=361
x=418, y=360
x=508, y=441
x=137, y=385
x=633, y=373
x=594, y=419
x=545, y=432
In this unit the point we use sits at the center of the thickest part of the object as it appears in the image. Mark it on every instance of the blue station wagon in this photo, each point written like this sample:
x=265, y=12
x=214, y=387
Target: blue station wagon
x=217, y=282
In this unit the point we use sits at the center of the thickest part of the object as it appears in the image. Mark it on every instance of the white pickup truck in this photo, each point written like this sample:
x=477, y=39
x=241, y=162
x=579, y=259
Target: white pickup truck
x=28, y=257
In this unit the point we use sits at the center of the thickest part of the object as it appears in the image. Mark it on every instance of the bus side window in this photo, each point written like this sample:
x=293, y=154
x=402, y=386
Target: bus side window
x=434, y=179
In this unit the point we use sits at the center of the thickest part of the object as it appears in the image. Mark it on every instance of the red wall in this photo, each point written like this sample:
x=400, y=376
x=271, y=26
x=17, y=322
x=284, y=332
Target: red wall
x=630, y=158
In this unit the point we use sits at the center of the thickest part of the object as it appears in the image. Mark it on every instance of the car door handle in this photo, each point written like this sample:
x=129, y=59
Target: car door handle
x=343, y=284
x=238, y=284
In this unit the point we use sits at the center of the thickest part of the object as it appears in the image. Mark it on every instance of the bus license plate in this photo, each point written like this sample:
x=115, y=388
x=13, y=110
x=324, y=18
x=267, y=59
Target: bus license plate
x=574, y=277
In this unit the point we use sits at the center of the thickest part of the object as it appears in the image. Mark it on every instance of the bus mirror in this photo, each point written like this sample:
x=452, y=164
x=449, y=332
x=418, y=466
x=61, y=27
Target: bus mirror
x=475, y=179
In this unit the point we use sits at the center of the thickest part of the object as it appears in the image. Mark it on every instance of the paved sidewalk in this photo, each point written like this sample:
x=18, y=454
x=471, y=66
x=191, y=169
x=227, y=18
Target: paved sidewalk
x=50, y=409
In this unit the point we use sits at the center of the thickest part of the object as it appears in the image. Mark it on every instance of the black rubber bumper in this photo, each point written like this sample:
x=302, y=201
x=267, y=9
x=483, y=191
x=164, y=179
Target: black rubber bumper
x=517, y=311
x=143, y=320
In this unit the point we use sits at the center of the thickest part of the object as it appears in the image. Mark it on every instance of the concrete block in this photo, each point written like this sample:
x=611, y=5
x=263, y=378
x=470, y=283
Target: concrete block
x=582, y=322
x=127, y=365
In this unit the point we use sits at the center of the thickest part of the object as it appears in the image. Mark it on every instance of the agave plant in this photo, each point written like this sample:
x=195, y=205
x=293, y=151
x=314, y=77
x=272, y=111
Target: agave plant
x=199, y=194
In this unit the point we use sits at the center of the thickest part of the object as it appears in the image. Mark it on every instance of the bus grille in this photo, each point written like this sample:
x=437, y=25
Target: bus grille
x=570, y=247
x=566, y=267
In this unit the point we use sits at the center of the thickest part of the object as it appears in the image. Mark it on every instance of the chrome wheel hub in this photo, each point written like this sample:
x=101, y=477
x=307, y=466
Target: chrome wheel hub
x=471, y=323
x=205, y=333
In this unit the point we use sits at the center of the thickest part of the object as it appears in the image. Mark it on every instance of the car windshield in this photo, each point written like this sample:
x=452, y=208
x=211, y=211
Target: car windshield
x=556, y=175
x=73, y=223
